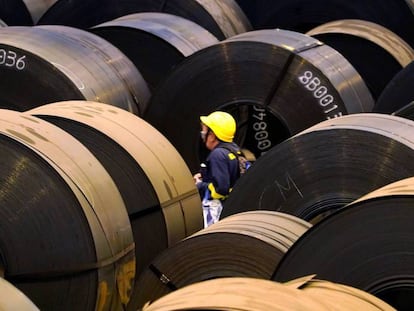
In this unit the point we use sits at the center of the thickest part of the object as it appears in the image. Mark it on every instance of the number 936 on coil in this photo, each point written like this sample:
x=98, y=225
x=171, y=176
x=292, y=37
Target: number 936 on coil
x=12, y=59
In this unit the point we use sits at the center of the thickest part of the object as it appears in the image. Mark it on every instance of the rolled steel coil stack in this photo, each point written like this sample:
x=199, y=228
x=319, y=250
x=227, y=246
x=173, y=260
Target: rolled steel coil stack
x=99, y=138
x=64, y=226
x=246, y=245
x=250, y=294
x=281, y=83
x=45, y=64
x=367, y=245
x=81, y=181
x=222, y=18
x=363, y=43
x=155, y=42
x=327, y=166
x=157, y=188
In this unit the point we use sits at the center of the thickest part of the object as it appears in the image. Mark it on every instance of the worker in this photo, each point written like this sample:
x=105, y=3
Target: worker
x=221, y=170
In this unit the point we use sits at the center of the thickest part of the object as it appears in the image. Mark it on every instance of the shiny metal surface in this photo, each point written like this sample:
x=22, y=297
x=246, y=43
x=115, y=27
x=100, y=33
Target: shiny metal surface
x=399, y=188
x=162, y=164
x=228, y=15
x=155, y=42
x=221, y=18
x=363, y=43
x=157, y=223
x=327, y=166
x=343, y=76
x=182, y=34
x=104, y=211
x=136, y=92
x=394, y=127
x=368, y=243
x=275, y=83
x=287, y=39
x=95, y=70
x=388, y=40
x=248, y=294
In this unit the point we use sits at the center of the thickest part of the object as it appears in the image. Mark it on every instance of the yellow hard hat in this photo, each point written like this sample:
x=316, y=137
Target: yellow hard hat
x=222, y=124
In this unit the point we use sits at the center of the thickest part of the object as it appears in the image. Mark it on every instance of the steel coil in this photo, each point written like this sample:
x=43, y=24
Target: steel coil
x=13, y=299
x=223, y=18
x=363, y=43
x=65, y=237
x=338, y=296
x=236, y=293
x=368, y=243
x=275, y=83
x=398, y=93
x=158, y=190
x=155, y=42
x=327, y=166
x=250, y=294
x=54, y=63
x=304, y=15
x=248, y=244
x=406, y=111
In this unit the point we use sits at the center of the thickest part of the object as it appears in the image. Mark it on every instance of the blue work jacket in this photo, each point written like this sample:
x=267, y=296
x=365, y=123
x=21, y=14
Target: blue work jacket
x=221, y=172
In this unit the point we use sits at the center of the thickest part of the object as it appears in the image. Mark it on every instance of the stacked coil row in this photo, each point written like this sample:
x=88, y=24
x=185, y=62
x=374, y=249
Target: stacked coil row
x=358, y=196
x=250, y=294
x=90, y=194
x=165, y=65
x=86, y=176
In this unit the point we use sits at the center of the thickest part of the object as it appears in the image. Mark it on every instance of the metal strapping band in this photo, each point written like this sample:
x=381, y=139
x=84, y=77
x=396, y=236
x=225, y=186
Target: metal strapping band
x=180, y=197
x=163, y=278
x=81, y=268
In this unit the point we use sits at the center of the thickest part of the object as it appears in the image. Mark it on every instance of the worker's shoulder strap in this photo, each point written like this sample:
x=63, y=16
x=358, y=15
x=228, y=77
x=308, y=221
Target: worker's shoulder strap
x=244, y=164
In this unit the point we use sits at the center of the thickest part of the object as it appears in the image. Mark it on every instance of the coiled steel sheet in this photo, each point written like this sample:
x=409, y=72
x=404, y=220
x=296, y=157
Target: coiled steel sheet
x=367, y=245
x=327, y=166
x=158, y=190
x=248, y=244
x=250, y=294
x=363, y=44
x=54, y=63
x=65, y=240
x=276, y=83
x=155, y=42
x=223, y=18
